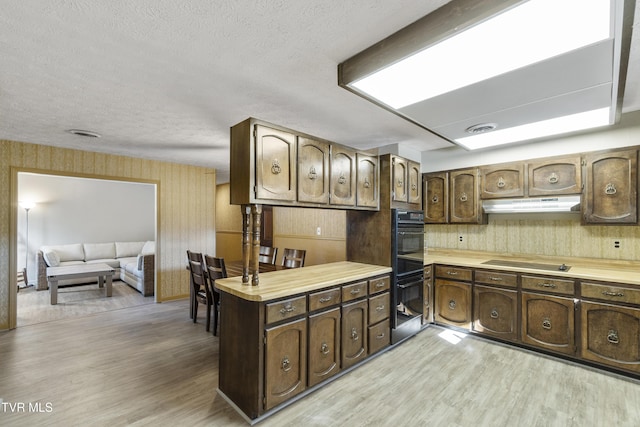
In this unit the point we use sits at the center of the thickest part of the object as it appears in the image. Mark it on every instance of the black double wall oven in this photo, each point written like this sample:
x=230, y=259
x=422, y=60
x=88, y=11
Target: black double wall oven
x=407, y=258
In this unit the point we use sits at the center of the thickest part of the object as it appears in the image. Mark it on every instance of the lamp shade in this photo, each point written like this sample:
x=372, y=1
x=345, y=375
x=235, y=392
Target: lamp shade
x=27, y=204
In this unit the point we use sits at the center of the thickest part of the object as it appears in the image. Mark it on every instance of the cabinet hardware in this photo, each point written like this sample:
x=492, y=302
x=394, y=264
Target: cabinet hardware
x=463, y=197
x=612, y=294
x=452, y=305
x=435, y=199
x=275, y=167
x=452, y=273
x=612, y=336
x=400, y=182
x=312, y=173
x=324, y=299
x=380, y=308
x=286, y=365
x=324, y=348
x=342, y=179
x=366, y=184
x=546, y=323
x=553, y=178
x=354, y=334
x=355, y=291
x=496, y=279
x=380, y=285
x=501, y=183
x=414, y=187
x=380, y=336
x=287, y=309
x=494, y=314
x=610, y=189
x=547, y=285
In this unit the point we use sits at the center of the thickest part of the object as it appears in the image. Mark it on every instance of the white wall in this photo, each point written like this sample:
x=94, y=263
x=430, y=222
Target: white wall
x=79, y=210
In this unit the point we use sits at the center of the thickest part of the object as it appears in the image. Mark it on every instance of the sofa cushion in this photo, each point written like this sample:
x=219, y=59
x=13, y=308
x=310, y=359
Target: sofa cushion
x=127, y=260
x=72, y=252
x=99, y=251
x=132, y=268
x=149, y=248
x=51, y=258
x=111, y=262
x=126, y=249
x=66, y=263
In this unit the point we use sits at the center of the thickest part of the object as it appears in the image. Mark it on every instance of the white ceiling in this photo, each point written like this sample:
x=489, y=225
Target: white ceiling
x=165, y=79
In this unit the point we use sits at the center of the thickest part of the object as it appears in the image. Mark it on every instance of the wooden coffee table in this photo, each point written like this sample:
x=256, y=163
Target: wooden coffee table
x=101, y=271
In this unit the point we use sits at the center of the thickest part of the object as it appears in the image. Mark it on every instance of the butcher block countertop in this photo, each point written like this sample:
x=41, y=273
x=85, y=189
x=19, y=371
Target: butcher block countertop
x=581, y=268
x=284, y=283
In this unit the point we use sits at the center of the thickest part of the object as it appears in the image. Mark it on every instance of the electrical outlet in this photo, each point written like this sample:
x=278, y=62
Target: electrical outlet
x=318, y=231
x=460, y=238
x=616, y=244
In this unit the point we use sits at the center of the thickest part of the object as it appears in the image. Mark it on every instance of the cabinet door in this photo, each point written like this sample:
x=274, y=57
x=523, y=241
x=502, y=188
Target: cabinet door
x=324, y=345
x=464, y=200
x=611, y=335
x=354, y=332
x=415, y=183
x=285, y=362
x=427, y=295
x=548, y=322
x=505, y=180
x=399, y=172
x=555, y=176
x=495, y=312
x=436, y=198
x=453, y=303
x=343, y=176
x=368, y=181
x=611, y=188
x=313, y=171
x=275, y=164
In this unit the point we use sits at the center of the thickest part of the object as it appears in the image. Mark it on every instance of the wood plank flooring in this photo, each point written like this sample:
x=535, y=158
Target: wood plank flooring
x=150, y=365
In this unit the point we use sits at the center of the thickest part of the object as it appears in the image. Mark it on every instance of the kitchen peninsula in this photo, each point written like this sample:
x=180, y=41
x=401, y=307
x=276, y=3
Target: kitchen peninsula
x=297, y=330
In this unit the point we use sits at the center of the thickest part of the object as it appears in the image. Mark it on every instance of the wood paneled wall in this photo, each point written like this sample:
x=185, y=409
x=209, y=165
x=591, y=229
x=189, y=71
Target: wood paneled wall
x=542, y=234
x=185, y=215
x=292, y=228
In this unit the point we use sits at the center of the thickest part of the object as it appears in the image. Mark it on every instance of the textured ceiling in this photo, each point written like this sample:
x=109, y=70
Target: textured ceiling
x=165, y=79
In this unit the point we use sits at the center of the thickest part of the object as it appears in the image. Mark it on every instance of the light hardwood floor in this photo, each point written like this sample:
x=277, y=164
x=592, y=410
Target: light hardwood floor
x=150, y=365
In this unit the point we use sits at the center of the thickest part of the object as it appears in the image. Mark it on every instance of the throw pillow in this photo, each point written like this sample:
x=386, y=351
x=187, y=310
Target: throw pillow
x=51, y=258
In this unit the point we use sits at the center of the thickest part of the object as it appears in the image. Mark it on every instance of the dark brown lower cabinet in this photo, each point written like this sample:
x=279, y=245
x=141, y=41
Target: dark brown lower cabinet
x=285, y=362
x=354, y=332
x=495, y=312
x=324, y=345
x=611, y=335
x=549, y=322
x=453, y=303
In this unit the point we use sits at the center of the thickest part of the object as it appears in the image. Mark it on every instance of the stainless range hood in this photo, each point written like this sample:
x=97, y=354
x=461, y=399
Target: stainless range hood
x=533, y=205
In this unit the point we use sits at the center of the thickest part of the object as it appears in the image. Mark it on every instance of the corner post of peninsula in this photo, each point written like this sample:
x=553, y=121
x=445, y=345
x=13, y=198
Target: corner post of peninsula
x=246, y=252
x=256, y=213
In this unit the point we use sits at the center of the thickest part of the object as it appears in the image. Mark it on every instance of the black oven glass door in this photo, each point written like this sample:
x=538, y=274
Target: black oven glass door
x=410, y=240
x=409, y=300
x=409, y=264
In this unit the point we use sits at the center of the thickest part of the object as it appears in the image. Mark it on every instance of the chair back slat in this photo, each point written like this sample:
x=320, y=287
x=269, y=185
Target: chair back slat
x=268, y=255
x=293, y=258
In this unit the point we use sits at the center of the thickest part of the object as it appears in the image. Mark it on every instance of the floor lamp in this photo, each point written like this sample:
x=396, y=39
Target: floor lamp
x=27, y=206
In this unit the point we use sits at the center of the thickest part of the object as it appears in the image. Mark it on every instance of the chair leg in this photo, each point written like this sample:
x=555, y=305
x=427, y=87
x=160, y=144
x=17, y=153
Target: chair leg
x=208, y=324
x=195, y=310
x=215, y=319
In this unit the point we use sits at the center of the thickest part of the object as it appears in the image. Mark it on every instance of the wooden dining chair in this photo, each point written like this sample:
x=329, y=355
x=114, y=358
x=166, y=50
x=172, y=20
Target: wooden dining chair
x=268, y=255
x=215, y=269
x=200, y=293
x=293, y=258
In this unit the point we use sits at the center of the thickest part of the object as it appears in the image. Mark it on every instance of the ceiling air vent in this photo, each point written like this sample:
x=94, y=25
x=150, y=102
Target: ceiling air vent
x=481, y=128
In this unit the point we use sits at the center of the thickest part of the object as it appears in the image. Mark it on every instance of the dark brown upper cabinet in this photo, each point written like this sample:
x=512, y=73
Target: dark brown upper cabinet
x=465, y=206
x=555, y=176
x=415, y=183
x=436, y=197
x=502, y=181
x=343, y=176
x=399, y=173
x=611, y=189
x=313, y=170
x=368, y=181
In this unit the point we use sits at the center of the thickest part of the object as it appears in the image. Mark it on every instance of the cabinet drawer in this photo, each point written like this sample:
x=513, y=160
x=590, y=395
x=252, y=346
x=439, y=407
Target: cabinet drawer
x=379, y=284
x=379, y=336
x=454, y=273
x=610, y=293
x=556, y=286
x=354, y=291
x=496, y=278
x=324, y=299
x=286, y=309
x=379, y=308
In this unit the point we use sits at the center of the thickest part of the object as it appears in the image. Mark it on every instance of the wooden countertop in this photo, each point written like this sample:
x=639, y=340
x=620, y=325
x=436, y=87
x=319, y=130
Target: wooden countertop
x=581, y=268
x=284, y=283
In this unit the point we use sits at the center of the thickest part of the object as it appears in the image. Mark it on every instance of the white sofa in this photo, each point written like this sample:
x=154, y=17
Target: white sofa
x=134, y=262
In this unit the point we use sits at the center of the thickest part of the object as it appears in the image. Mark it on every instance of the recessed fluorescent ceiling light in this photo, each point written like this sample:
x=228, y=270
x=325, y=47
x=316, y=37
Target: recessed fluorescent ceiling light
x=521, y=36
x=573, y=122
